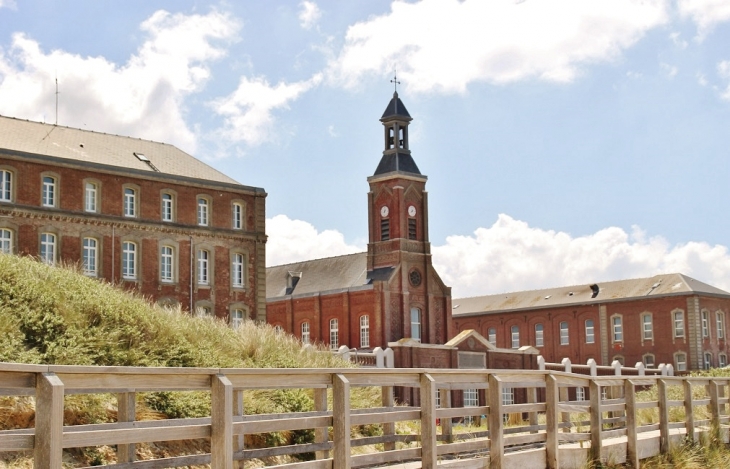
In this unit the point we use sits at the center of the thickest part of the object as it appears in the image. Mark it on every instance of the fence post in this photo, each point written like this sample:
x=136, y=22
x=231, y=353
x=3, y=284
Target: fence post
x=341, y=421
x=379, y=357
x=663, y=416
x=320, y=433
x=389, y=358
x=632, y=454
x=48, y=451
x=496, y=422
x=532, y=398
x=593, y=366
x=596, y=417
x=221, y=423
x=541, y=363
x=563, y=393
x=714, y=404
x=238, y=412
x=428, y=422
x=552, y=402
x=689, y=416
x=388, y=427
x=446, y=424
x=640, y=368
x=126, y=413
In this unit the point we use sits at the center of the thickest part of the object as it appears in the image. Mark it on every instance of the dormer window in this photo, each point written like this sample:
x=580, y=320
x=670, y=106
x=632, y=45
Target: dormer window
x=292, y=278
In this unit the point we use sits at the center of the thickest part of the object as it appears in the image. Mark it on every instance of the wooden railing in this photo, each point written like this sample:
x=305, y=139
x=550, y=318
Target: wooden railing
x=542, y=431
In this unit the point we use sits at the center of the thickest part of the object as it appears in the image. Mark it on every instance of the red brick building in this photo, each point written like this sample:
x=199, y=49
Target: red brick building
x=390, y=292
x=142, y=214
x=670, y=319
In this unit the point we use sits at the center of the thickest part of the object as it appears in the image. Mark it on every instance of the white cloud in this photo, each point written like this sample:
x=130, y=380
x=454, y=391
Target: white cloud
x=701, y=79
x=723, y=69
x=143, y=97
x=309, y=14
x=443, y=45
x=296, y=240
x=248, y=111
x=670, y=70
x=512, y=256
x=8, y=4
x=681, y=43
x=705, y=13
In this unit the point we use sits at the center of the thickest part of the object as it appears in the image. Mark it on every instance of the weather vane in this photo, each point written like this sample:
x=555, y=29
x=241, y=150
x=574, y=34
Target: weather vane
x=395, y=81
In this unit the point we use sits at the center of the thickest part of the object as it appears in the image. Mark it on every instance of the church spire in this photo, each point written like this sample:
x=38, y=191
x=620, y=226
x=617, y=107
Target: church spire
x=396, y=154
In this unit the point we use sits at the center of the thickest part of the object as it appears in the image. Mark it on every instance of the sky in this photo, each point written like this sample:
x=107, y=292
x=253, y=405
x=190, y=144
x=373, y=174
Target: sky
x=566, y=142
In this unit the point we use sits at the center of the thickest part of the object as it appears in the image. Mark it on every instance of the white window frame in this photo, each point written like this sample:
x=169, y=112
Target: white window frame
x=678, y=319
x=539, y=335
x=564, y=333
x=203, y=267
x=649, y=360
x=580, y=393
x=130, y=251
x=706, y=360
x=167, y=264
x=49, y=194
x=203, y=211
x=590, y=331
x=6, y=240
x=6, y=185
x=167, y=209
x=91, y=197
x=508, y=396
x=680, y=365
x=705, y=324
x=306, y=332
x=492, y=336
x=238, y=262
x=48, y=251
x=237, y=317
x=720, y=322
x=237, y=216
x=334, y=334
x=515, y=336
x=617, y=328
x=416, y=323
x=647, y=328
x=129, y=202
x=90, y=256
x=364, y=331
x=722, y=360
x=471, y=399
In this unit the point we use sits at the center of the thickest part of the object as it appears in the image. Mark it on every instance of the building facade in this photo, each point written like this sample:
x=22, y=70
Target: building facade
x=388, y=293
x=141, y=214
x=671, y=319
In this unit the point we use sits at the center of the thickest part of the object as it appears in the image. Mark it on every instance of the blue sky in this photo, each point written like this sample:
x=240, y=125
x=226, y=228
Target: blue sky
x=565, y=141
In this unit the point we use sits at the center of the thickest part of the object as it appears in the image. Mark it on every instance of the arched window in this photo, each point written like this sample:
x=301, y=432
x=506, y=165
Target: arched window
x=48, y=248
x=90, y=257
x=6, y=186
x=203, y=211
x=48, y=193
x=539, y=335
x=238, y=264
x=680, y=361
x=515, y=332
x=167, y=264
x=203, y=267
x=130, y=202
x=237, y=216
x=707, y=364
x=334, y=334
x=129, y=260
x=564, y=333
x=306, y=339
x=720, y=319
x=416, y=324
x=6, y=241
x=237, y=317
x=364, y=331
x=167, y=209
x=492, y=336
x=648, y=360
x=91, y=196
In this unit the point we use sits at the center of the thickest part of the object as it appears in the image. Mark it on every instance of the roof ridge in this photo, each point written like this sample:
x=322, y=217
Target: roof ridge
x=317, y=259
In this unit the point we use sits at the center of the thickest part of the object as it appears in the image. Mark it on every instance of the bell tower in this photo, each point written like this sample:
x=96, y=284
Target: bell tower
x=416, y=303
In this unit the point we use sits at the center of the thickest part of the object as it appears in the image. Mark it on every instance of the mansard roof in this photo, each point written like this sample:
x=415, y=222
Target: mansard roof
x=328, y=275
x=37, y=139
x=664, y=285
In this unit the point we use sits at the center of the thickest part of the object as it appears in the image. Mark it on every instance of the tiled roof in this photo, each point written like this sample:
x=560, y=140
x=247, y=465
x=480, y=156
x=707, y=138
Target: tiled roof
x=104, y=149
x=396, y=108
x=322, y=275
x=657, y=286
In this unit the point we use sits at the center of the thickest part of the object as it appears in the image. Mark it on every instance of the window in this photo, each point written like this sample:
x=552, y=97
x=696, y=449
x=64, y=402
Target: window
x=515, y=337
x=130, y=202
x=648, y=360
x=678, y=324
x=590, y=332
x=411, y=228
x=705, y=324
x=6, y=185
x=364, y=331
x=166, y=264
x=203, y=211
x=680, y=361
x=720, y=319
x=90, y=257
x=48, y=197
x=91, y=194
x=647, y=327
x=48, y=248
x=203, y=265
x=237, y=216
x=416, y=324
x=618, y=328
x=539, y=335
x=471, y=399
x=619, y=358
x=167, y=208
x=508, y=396
x=305, y=333
x=237, y=269
x=564, y=333
x=492, y=336
x=6, y=241
x=384, y=229
x=278, y=329
x=580, y=394
x=129, y=260
x=204, y=310
x=722, y=360
x=707, y=364
x=237, y=316
x=334, y=334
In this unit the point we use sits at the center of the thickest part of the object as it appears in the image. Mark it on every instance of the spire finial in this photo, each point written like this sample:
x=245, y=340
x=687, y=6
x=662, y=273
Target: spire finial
x=395, y=81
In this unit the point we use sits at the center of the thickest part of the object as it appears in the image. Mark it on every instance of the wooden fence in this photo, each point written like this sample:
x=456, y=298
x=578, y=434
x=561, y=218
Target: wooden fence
x=550, y=432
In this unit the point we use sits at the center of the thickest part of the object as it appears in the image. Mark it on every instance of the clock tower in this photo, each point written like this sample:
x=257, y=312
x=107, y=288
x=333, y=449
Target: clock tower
x=415, y=302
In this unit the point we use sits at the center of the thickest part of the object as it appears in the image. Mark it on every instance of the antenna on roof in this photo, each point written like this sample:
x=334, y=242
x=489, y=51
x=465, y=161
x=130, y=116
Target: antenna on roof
x=56, y=100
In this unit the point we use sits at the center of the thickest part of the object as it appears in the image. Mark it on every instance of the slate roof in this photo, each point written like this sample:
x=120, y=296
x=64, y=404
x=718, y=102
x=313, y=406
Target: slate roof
x=96, y=148
x=402, y=162
x=324, y=275
x=396, y=108
x=621, y=290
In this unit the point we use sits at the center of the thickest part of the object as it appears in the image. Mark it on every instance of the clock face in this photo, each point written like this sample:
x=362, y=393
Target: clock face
x=384, y=211
x=412, y=211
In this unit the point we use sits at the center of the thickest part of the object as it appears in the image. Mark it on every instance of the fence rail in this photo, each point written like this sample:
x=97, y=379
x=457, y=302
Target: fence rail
x=546, y=430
